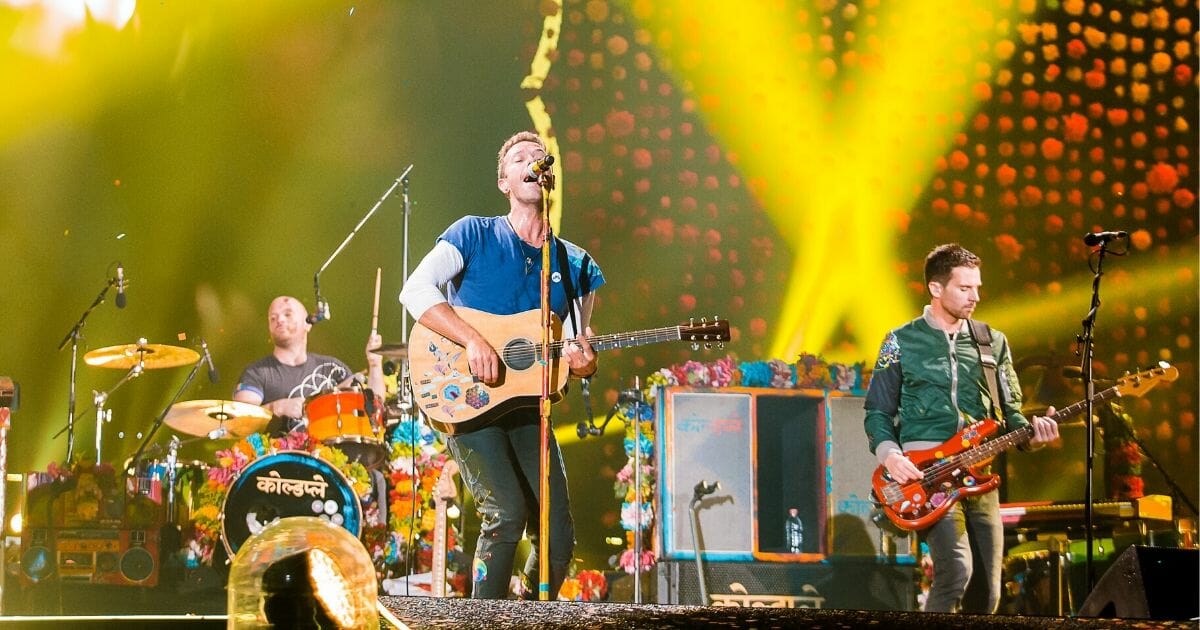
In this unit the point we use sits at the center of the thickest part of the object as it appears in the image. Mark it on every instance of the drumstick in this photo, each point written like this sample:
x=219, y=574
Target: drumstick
x=375, y=309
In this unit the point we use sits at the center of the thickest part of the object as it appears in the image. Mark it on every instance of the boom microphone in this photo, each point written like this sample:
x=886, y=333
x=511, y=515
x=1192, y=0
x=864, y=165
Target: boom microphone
x=212, y=369
x=120, y=301
x=1096, y=238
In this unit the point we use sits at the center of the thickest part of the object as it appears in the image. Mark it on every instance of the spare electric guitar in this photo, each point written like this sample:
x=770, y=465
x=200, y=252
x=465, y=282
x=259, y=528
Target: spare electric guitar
x=953, y=470
x=457, y=402
x=443, y=493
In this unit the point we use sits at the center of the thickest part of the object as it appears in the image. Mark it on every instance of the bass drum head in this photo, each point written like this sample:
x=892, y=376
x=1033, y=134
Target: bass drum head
x=290, y=483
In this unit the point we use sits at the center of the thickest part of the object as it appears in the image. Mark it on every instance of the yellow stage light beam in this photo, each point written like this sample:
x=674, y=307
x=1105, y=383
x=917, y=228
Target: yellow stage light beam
x=835, y=129
x=1055, y=309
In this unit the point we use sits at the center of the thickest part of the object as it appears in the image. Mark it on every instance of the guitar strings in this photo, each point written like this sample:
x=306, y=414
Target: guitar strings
x=958, y=459
x=601, y=341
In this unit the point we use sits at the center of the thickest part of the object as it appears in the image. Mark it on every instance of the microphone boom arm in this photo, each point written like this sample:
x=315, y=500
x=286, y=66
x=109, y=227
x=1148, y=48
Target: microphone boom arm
x=323, y=311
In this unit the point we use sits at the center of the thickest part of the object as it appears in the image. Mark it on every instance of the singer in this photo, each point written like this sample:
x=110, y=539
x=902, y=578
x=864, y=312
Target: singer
x=282, y=380
x=929, y=379
x=493, y=264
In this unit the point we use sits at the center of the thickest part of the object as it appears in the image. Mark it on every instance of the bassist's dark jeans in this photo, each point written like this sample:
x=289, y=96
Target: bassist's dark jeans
x=499, y=464
x=972, y=525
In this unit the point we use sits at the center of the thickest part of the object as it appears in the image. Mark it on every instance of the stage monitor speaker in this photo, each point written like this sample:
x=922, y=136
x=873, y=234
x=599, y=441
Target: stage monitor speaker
x=850, y=532
x=707, y=437
x=766, y=448
x=1148, y=583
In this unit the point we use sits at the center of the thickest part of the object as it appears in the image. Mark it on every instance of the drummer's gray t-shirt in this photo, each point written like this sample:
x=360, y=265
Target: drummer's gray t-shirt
x=273, y=380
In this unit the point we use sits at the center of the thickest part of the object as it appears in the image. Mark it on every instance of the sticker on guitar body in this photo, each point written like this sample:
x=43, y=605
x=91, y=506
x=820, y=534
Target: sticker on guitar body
x=446, y=383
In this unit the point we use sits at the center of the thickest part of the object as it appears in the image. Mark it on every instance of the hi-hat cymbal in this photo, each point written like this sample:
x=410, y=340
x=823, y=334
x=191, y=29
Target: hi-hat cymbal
x=151, y=355
x=206, y=417
x=391, y=350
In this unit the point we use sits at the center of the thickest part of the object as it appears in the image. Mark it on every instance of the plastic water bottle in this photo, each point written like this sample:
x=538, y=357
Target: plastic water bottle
x=794, y=531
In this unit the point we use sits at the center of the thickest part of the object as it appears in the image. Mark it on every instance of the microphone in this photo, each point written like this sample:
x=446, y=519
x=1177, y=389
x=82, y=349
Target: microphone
x=212, y=369
x=218, y=433
x=319, y=314
x=537, y=167
x=120, y=301
x=704, y=488
x=1096, y=238
x=583, y=429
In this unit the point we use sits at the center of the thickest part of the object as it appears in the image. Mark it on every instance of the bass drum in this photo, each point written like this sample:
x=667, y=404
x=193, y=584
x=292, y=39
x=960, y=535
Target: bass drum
x=289, y=483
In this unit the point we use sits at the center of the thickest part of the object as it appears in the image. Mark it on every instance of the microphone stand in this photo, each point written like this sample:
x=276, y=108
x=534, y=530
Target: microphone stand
x=73, y=336
x=404, y=381
x=698, y=494
x=1086, y=350
x=547, y=184
x=322, y=308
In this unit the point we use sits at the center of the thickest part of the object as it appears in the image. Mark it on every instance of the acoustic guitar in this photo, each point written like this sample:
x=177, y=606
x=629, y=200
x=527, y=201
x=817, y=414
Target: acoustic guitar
x=456, y=402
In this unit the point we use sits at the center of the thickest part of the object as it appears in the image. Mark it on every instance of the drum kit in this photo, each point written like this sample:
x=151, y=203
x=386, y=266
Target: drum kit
x=277, y=485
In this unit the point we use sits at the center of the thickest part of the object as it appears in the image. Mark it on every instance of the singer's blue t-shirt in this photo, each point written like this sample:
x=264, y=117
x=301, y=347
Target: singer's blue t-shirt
x=502, y=273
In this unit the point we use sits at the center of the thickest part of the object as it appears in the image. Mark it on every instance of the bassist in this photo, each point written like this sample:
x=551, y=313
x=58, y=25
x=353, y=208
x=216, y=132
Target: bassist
x=929, y=381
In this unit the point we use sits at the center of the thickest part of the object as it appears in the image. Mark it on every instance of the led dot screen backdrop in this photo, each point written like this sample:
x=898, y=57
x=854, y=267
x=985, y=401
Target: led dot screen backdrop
x=782, y=165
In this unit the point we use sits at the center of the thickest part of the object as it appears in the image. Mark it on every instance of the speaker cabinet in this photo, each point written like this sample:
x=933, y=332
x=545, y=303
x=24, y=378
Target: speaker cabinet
x=1148, y=583
x=38, y=561
x=860, y=585
x=851, y=533
x=766, y=447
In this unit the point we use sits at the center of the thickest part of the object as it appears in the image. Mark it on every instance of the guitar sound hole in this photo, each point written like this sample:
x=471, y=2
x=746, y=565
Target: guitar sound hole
x=519, y=354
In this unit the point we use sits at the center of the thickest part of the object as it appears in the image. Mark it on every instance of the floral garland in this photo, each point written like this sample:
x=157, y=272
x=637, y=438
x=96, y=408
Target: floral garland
x=412, y=444
x=808, y=372
x=206, y=519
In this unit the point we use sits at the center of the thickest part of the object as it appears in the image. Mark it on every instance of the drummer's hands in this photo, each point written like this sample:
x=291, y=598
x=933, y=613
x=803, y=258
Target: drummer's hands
x=1045, y=430
x=374, y=340
x=580, y=356
x=484, y=362
x=286, y=407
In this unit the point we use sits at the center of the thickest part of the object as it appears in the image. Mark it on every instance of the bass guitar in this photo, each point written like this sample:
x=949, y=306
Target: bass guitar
x=456, y=402
x=953, y=469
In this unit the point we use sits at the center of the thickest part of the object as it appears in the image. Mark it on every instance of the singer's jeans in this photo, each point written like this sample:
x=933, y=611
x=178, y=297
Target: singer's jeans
x=500, y=466
x=972, y=524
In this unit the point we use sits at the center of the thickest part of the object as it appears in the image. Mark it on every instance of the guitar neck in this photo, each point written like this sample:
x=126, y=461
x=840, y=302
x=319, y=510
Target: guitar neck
x=438, y=569
x=625, y=339
x=995, y=446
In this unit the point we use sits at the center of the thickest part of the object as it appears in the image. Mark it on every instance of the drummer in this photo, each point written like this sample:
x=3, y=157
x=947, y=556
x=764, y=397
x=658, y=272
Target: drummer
x=282, y=380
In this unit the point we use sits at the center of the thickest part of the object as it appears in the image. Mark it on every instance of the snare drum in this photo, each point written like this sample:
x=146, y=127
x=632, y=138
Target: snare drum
x=290, y=483
x=340, y=419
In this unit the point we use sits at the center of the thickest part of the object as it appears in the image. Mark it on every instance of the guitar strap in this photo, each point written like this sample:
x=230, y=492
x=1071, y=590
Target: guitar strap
x=981, y=333
x=564, y=268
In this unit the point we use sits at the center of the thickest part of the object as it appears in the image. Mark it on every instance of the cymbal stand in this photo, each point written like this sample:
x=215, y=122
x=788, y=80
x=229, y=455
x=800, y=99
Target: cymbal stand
x=137, y=457
x=73, y=337
x=99, y=399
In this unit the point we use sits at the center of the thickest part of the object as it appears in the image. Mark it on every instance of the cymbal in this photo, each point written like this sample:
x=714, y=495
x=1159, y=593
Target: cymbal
x=391, y=350
x=152, y=356
x=204, y=417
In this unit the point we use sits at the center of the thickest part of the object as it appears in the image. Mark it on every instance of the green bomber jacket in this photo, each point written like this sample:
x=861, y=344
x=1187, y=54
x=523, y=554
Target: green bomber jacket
x=925, y=381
